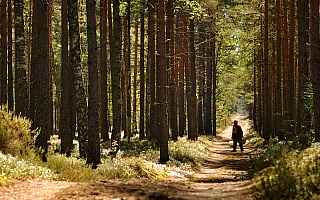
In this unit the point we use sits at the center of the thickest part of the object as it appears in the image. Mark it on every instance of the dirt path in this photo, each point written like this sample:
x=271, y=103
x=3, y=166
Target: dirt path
x=220, y=178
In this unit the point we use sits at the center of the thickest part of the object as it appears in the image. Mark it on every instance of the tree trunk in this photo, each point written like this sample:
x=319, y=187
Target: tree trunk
x=75, y=63
x=10, y=72
x=104, y=72
x=162, y=124
x=181, y=103
x=4, y=55
x=93, y=155
x=172, y=69
x=21, y=92
x=40, y=85
x=115, y=75
x=266, y=94
x=66, y=129
x=278, y=97
x=290, y=79
x=192, y=101
x=208, y=122
x=302, y=115
x=200, y=82
x=153, y=110
x=142, y=80
x=128, y=76
x=315, y=64
x=135, y=71
x=214, y=87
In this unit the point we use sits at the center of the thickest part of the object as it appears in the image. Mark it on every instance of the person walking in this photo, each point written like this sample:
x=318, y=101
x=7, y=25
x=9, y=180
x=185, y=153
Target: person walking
x=237, y=136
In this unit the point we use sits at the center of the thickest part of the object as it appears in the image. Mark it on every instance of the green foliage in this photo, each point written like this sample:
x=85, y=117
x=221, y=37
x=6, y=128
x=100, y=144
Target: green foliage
x=296, y=175
x=15, y=133
x=13, y=168
x=186, y=151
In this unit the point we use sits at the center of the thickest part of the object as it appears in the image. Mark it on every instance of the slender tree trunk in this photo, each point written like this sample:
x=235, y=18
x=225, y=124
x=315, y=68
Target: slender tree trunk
x=266, y=94
x=315, y=63
x=4, y=54
x=135, y=71
x=153, y=110
x=21, y=95
x=278, y=97
x=273, y=89
x=104, y=72
x=66, y=128
x=181, y=103
x=214, y=86
x=302, y=115
x=110, y=26
x=10, y=73
x=40, y=85
x=192, y=115
x=128, y=76
x=116, y=71
x=290, y=79
x=208, y=122
x=162, y=123
x=30, y=41
x=124, y=78
x=142, y=80
x=172, y=69
x=255, y=96
x=200, y=82
x=93, y=155
x=75, y=63
x=49, y=72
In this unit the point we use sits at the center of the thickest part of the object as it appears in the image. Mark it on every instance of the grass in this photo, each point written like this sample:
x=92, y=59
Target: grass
x=137, y=159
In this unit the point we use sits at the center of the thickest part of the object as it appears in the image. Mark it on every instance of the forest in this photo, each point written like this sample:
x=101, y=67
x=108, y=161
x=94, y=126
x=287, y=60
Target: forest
x=132, y=89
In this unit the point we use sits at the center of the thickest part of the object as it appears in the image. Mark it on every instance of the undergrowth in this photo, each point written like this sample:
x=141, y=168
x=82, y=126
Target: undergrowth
x=137, y=159
x=285, y=170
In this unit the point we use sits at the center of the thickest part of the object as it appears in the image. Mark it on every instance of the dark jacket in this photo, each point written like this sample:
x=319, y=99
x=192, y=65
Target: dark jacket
x=237, y=133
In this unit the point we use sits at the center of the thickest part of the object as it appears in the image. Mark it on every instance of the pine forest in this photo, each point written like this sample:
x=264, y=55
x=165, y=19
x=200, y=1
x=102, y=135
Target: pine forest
x=149, y=99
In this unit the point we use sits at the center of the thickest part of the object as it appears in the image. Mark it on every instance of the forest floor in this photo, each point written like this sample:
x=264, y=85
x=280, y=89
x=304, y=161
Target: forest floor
x=220, y=177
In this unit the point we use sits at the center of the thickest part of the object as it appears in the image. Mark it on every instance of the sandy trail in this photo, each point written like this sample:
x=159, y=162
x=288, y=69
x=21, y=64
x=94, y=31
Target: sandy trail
x=219, y=178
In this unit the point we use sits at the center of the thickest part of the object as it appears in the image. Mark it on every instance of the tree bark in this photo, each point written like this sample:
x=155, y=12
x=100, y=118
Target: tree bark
x=40, y=84
x=67, y=127
x=302, y=115
x=135, y=71
x=142, y=80
x=315, y=63
x=208, y=107
x=4, y=54
x=104, y=72
x=266, y=94
x=21, y=92
x=75, y=63
x=172, y=69
x=192, y=101
x=152, y=62
x=115, y=75
x=93, y=155
x=162, y=123
x=10, y=72
x=278, y=97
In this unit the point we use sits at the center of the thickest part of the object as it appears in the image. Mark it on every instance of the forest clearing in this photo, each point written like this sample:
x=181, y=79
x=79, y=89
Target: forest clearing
x=123, y=99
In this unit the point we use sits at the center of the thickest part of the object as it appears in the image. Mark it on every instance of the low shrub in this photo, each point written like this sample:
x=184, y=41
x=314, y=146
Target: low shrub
x=15, y=133
x=294, y=176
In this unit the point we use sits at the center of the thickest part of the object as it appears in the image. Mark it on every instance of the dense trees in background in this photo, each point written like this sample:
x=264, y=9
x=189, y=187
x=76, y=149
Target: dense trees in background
x=296, y=109
x=87, y=72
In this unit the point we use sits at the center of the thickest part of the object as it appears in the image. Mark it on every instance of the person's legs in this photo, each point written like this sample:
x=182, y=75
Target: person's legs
x=234, y=144
x=241, y=146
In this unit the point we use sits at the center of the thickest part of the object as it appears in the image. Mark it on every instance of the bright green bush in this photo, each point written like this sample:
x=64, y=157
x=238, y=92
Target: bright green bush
x=15, y=133
x=295, y=176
